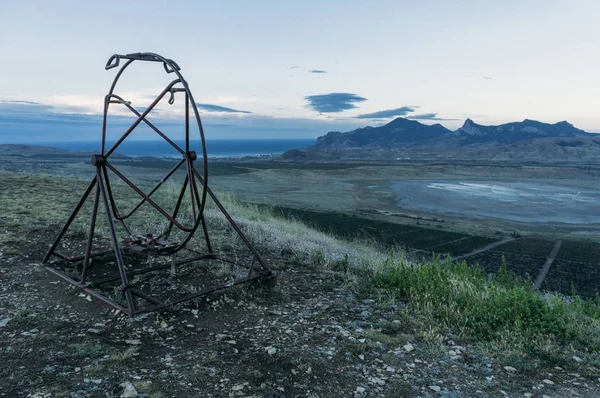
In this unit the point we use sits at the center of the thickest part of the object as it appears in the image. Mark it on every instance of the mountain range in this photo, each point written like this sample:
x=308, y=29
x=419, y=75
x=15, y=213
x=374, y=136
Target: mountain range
x=526, y=140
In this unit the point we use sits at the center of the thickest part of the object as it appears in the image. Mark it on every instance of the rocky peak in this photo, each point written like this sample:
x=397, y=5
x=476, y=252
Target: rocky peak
x=468, y=128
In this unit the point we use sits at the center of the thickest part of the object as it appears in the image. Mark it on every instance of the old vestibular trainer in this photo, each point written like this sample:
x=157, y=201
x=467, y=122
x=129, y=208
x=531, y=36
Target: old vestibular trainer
x=133, y=299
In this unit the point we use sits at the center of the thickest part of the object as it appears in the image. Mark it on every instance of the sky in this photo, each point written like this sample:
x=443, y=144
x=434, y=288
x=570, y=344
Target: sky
x=283, y=69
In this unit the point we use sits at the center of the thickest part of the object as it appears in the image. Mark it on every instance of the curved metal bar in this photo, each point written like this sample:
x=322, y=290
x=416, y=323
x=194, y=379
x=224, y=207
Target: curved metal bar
x=175, y=69
x=118, y=76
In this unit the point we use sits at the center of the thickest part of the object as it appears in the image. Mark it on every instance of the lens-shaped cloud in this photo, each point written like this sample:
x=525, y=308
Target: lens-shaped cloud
x=402, y=111
x=218, y=108
x=333, y=102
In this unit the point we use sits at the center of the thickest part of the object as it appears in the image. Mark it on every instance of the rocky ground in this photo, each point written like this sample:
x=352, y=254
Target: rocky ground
x=310, y=336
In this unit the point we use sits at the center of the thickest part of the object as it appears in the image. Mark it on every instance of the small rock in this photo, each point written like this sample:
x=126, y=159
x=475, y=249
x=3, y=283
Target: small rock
x=378, y=381
x=4, y=322
x=546, y=381
x=133, y=342
x=237, y=387
x=360, y=389
x=408, y=347
x=275, y=312
x=94, y=331
x=435, y=388
x=510, y=369
x=128, y=390
x=271, y=350
x=575, y=358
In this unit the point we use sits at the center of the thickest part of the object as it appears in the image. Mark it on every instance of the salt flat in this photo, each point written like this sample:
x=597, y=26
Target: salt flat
x=522, y=201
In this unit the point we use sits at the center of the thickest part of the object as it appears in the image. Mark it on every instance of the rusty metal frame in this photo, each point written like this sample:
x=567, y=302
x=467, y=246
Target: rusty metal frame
x=101, y=186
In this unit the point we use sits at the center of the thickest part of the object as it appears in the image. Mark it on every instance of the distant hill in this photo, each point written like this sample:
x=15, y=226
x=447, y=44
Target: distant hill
x=585, y=149
x=472, y=133
x=46, y=151
x=30, y=150
x=529, y=140
x=399, y=132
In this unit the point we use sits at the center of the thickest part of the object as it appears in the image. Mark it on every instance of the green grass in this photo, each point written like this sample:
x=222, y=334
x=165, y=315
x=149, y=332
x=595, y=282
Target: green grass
x=89, y=351
x=488, y=308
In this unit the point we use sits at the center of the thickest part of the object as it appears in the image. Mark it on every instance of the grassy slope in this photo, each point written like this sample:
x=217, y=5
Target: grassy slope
x=499, y=311
x=506, y=316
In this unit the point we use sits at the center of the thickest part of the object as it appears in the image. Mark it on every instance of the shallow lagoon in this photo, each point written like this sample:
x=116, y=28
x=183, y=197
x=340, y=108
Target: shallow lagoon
x=531, y=202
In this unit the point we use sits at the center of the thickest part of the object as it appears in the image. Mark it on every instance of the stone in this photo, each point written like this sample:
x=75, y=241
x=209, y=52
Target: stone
x=4, y=322
x=408, y=347
x=237, y=387
x=378, y=381
x=510, y=369
x=128, y=390
x=435, y=388
x=271, y=350
x=575, y=358
x=94, y=331
x=133, y=342
x=547, y=381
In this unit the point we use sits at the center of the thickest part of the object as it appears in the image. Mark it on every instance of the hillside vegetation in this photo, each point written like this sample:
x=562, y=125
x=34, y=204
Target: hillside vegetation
x=457, y=318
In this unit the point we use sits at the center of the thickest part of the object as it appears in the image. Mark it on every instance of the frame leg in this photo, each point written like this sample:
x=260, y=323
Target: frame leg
x=113, y=235
x=88, y=248
x=70, y=220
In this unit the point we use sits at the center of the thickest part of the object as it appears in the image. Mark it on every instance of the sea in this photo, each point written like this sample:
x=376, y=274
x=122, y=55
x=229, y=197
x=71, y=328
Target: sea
x=215, y=148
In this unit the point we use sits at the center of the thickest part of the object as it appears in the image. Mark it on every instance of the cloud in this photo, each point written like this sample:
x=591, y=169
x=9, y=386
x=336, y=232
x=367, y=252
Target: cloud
x=403, y=111
x=26, y=123
x=10, y=108
x=333, y=102
x=478, y=77
x=142, y=110
x=20, y=102
x=317, y=71
x=218, y=108
x=427, y=116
